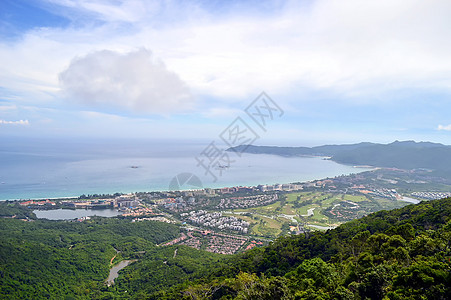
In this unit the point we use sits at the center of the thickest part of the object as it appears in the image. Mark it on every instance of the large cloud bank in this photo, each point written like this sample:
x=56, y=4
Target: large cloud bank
x=135, y=80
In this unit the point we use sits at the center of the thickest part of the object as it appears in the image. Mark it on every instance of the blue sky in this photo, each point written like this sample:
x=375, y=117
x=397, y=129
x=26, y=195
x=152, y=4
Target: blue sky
x=343, y=71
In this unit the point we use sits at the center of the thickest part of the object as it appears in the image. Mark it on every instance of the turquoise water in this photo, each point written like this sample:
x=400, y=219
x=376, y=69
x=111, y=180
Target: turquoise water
x=64, y=168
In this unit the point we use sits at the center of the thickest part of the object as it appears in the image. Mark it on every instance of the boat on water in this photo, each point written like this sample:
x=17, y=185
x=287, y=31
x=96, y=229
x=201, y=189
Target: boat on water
x=222, y=167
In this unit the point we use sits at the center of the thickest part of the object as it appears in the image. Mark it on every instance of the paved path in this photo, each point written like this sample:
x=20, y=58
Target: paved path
x=309, y=212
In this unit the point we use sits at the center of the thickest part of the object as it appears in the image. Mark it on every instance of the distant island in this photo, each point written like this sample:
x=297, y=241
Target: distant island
x=399, y=154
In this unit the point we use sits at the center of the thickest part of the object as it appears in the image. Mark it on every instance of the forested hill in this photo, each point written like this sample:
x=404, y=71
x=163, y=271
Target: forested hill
x=42, y=259
x=403, y=155
x=399, y=254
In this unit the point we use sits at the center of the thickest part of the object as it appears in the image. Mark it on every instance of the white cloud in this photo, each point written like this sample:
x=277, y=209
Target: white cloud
x=444, y=127
x=135, y=80
x=7, y=107
x=20, y=122
x=221, y=112
x=355, y=48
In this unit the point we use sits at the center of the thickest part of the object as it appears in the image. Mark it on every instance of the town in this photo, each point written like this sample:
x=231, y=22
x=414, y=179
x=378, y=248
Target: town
x=247, y=201
x=233, y=219
x=216, y=220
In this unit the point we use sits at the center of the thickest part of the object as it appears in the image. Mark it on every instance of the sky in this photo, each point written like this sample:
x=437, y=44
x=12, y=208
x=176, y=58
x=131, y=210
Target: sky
x=342, y=71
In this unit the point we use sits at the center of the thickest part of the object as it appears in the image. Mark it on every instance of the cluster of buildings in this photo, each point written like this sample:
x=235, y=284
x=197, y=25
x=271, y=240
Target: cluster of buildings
x=122, y=202
x=247, y=201
x=140, y=211
x=156, y=218
x=240, y=189
x=280, y=187
x=225, y=244
x=345, y=210
x=178, y=240
x=211, y=241
x=253, y=244
x=34, y=203
x=129, y=204
x=190, y=193
x=216, y=220
x=192, y=241
x=212, y=192
x=234, y=189
x=179, y=204
x=126, y=201
x=431, y=195
x=98, y=203
x=391, y=194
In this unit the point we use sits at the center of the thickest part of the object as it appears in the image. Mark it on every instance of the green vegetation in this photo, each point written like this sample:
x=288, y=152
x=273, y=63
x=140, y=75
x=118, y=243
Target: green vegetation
x=398, y=254
x=274, y=220
x=266, y=226
x=14, y=209
x=401, y=254
x=66, y=260
x=158, y=270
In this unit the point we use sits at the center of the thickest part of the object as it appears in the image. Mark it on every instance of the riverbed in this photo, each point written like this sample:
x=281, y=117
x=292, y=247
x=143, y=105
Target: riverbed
x=114, y=271
x=410, y=200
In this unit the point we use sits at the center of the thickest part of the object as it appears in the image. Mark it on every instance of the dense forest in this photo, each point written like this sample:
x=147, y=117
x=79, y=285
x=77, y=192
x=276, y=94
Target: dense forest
x=398, y=254
x=42, y=259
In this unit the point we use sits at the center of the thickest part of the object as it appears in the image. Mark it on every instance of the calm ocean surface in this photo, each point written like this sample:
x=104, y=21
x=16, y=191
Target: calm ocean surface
x=39, y=168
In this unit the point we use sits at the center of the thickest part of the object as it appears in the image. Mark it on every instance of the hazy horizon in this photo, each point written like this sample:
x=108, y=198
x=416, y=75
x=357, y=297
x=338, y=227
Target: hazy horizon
x=156, y=69
x=68, y=168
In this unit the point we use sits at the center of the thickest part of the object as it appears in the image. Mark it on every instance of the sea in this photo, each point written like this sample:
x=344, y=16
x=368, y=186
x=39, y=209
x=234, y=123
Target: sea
x=44, y=168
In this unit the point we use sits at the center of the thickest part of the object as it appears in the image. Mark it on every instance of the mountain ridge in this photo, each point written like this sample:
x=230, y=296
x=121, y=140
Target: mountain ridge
x=399, y=154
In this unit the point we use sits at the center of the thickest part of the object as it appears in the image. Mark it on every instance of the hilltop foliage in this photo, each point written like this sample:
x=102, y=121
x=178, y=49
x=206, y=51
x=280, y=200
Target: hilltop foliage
x=70, y=260
x=398, y=254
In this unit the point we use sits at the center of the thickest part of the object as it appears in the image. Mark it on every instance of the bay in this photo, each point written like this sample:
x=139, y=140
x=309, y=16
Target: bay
x=36, y=169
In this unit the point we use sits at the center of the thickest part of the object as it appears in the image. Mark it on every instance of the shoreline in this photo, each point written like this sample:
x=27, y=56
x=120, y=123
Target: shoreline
x=41, y=199
x=181, y=190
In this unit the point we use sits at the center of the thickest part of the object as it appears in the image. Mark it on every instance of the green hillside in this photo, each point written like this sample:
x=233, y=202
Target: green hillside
x=43, y=259
x=399, y=254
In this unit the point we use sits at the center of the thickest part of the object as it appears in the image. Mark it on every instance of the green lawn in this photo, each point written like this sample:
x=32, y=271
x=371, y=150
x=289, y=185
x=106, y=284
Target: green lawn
x=267, y=227
x=354, y=198
x=288, y=209
x=318, y=216
x=245, y=218
x=303, y=210
x=292, y=197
